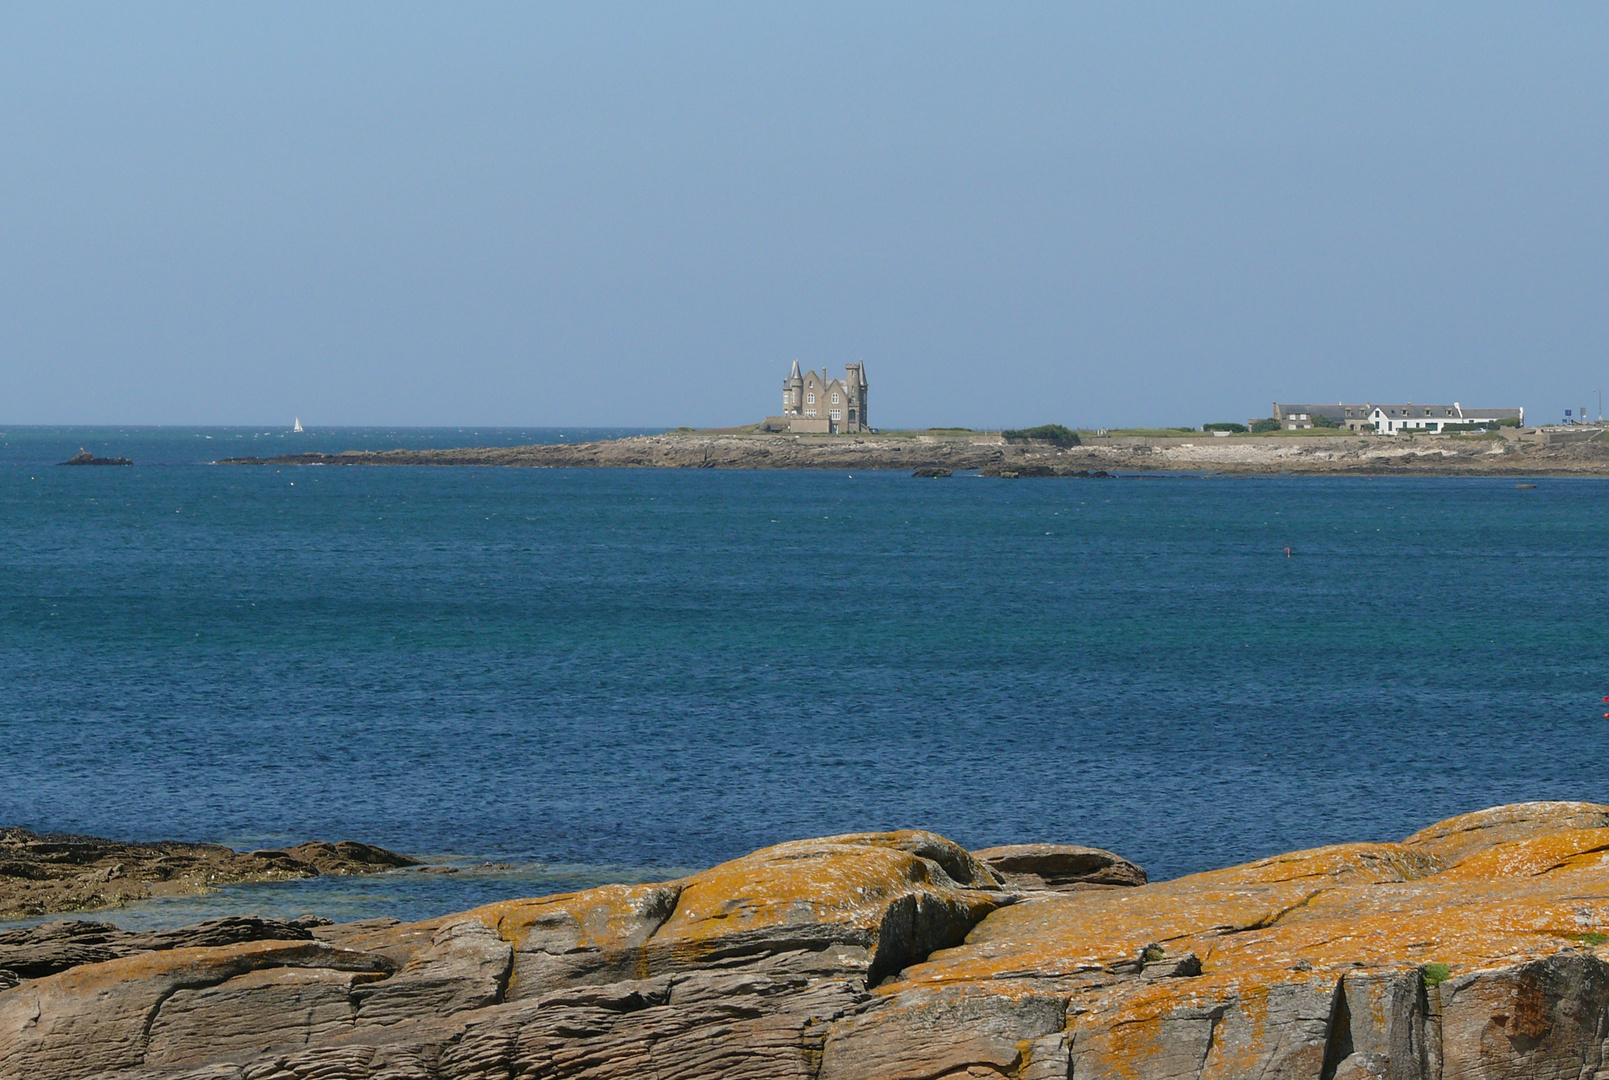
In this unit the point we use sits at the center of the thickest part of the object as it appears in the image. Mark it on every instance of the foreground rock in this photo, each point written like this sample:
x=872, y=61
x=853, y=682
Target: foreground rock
x=1471, y=949
x=41, y=875
x=994, y=456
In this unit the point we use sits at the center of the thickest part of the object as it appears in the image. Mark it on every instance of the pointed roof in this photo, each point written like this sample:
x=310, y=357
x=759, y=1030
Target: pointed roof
x=794, y=374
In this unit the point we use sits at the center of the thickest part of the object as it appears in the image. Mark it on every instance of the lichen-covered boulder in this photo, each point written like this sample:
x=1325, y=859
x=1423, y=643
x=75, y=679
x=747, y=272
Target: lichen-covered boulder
x=576, y=939
x=889, y=898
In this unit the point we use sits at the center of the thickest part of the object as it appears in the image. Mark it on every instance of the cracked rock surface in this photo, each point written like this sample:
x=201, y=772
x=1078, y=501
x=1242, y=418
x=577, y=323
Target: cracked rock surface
x=1470, y=949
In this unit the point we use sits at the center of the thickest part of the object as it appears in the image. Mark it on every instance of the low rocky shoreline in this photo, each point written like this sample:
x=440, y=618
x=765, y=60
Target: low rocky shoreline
x=42, y=875
x=993, y=455
x=86, y=458
x=1475, y=948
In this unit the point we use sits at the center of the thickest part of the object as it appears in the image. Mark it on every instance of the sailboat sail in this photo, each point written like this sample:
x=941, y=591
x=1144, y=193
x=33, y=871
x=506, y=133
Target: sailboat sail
x=298, y=426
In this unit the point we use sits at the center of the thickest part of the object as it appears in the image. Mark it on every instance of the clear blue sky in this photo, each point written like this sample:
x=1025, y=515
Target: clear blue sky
x=610, y=214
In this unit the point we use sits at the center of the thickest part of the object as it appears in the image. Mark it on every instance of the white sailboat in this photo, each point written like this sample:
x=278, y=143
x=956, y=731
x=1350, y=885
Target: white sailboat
x=297, y=426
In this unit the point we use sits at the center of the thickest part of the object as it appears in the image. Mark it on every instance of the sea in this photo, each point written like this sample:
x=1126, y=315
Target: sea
x=539, y=680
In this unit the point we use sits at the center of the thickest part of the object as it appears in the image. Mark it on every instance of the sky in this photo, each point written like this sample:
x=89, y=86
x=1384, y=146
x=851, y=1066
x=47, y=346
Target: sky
x=612, y=214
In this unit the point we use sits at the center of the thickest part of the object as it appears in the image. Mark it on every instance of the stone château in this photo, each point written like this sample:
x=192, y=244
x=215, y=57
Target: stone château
x=813, y=403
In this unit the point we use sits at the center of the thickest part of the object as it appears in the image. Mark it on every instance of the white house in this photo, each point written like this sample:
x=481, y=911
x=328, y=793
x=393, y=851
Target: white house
x=1433, y=419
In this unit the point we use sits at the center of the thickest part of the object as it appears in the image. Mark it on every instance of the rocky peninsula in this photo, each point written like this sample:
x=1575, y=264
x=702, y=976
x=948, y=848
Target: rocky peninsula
x=40, y=875
x=1532, y=454
x=1474, y=948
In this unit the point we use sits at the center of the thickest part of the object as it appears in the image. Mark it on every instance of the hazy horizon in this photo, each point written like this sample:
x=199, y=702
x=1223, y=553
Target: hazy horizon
x=416, y=215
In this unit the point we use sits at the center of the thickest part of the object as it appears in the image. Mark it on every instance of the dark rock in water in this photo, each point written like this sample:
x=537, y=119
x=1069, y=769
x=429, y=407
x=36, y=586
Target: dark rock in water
x=927, y=471
x=1062, y=867
x=1011, y=471
x=1019, y=472
x=340, y=858
x=87, y=458
x=40, y=875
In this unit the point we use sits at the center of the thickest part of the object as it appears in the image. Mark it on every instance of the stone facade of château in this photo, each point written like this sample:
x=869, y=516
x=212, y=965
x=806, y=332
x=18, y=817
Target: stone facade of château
x=813, y=403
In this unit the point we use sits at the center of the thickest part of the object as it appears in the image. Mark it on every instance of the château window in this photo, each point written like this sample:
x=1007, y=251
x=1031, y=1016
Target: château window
x=833, y=415
x=810, y=399
x=835, y=398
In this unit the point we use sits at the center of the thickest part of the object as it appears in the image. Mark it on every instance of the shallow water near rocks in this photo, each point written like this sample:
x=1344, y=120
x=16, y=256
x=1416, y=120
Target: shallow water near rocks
x=609, y=674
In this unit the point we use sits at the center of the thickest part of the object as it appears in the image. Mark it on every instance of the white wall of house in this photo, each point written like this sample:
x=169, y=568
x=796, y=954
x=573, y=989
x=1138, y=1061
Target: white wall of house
x=1433, y=425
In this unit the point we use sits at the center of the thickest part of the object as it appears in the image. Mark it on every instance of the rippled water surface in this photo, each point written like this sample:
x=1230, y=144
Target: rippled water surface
x=603, y=674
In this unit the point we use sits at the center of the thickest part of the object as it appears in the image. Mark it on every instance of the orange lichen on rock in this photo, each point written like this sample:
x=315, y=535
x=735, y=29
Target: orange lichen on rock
x=607, y=917
x=1573, y=849
x=1511, y=886
x=593, y=936
x=890, y=897
x=843, y=880
x=1341, y=864
x=1455, y=839
x=883, y=896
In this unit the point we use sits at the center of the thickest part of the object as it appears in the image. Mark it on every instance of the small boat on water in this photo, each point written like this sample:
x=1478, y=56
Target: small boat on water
x=297, y=426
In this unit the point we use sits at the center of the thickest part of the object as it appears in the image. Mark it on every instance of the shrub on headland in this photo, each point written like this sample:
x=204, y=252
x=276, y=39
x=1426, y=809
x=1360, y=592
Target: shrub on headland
x=1320, y=420
x=1236, y=428
x=1479, y=425
x=1051, y=433
x=1266, y=424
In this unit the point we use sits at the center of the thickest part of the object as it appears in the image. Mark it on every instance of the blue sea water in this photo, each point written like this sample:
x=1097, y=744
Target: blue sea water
x=590, y=675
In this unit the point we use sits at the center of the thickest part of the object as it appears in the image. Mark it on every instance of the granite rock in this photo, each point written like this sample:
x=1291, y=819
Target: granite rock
x=1470, y=950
